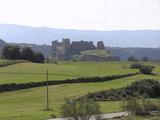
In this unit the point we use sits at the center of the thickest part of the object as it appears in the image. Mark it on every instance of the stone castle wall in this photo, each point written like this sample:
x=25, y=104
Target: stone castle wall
x=78, y=46
x=62, y=50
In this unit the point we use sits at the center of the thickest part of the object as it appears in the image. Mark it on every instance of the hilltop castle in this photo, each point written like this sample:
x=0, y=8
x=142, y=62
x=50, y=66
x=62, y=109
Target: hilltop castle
x=62, y=50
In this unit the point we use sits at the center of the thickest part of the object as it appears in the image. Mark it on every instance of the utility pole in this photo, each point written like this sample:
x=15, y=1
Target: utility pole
x=47, y=90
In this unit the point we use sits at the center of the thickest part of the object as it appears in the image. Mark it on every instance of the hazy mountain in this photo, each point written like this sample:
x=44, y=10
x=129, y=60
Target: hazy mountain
x=121, y=38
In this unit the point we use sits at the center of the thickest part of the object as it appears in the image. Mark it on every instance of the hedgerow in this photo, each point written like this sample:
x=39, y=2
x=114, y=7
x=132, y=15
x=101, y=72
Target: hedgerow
x=19, y=86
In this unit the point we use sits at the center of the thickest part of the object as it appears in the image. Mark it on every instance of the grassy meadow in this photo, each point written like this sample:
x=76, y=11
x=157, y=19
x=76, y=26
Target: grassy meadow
x=29, y=104
x=61, y=71
x=102, y=53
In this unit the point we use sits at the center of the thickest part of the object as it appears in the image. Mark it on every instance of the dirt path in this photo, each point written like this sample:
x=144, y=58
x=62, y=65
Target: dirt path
x=104, y=116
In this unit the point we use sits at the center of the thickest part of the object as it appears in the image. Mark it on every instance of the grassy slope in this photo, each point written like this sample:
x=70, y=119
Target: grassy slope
x=66, y=70
x=29, y=104
x=4, y=63
x=101, y=53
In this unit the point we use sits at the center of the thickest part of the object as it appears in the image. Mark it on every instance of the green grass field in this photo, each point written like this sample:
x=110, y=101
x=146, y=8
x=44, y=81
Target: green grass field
x=101, y=53
x=62, y=71
x=30, y=104
x=4, y=63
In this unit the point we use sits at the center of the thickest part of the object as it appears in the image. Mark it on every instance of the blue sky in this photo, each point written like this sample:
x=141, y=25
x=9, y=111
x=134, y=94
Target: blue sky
x=83, y=14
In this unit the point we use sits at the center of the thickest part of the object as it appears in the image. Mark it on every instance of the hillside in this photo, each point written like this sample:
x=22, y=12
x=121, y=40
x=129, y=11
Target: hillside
x=120, y=38
x=124, y=53
x=101, y=53
x=97, y=55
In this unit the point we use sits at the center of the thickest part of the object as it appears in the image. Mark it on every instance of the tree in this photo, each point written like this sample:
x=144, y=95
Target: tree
x=132, y=58
x=81, y=109
x=27, y=54
x=15, y=53
x=39, y=58
x=145, y=59
x=11, y=52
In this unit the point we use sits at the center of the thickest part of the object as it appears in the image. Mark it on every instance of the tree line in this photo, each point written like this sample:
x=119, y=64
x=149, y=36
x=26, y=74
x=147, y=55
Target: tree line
x=14, y=52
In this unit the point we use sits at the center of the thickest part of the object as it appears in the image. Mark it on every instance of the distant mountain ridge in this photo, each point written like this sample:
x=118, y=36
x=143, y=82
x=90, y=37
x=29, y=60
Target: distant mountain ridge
x=44, y=35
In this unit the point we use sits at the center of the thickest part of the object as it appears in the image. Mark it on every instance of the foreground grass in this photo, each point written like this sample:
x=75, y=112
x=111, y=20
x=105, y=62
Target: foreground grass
x=30, y=104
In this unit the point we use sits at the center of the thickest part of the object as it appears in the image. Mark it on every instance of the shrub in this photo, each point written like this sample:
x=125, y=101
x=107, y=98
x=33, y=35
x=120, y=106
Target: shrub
x=146, y=69
x=141, y=106
x=146, y=88
x=82, y=109
x=136, y=66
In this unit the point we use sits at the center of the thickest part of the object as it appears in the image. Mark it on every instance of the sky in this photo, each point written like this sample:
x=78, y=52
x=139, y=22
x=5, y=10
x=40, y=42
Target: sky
x=83, y=14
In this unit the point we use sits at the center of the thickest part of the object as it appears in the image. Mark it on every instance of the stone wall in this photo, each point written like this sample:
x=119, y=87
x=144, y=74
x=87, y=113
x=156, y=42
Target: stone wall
x=100, y=45
x=78, y=46
x=63, y=50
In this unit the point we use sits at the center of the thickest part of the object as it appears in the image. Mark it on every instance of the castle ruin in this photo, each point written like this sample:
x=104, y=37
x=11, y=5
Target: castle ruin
x=63, y=50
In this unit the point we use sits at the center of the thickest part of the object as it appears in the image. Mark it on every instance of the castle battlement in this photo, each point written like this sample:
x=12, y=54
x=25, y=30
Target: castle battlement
x=65, y=48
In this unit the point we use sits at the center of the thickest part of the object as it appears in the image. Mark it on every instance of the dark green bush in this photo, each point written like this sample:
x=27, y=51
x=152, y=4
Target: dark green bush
x=146, y=69
x=146, y=88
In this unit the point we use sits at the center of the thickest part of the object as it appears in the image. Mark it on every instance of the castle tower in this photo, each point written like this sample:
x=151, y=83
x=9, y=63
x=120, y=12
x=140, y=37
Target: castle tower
x=100, y=45
x=54, y=43
x=54, y=47
x=66, y=44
